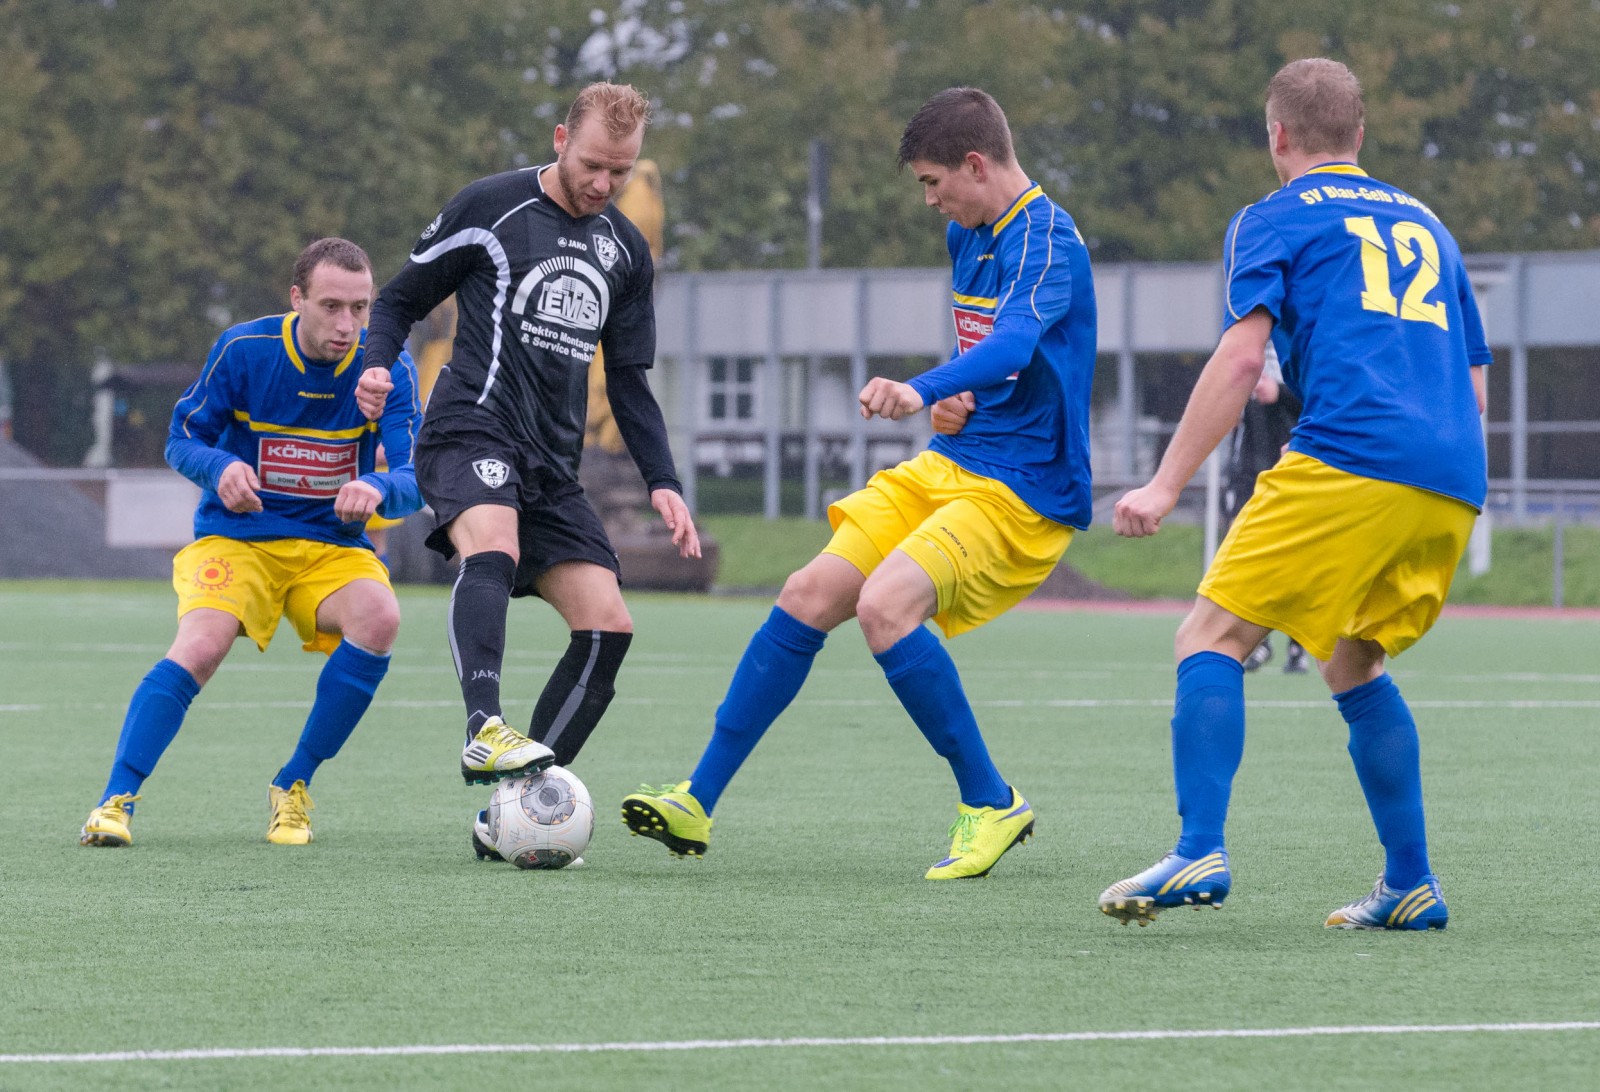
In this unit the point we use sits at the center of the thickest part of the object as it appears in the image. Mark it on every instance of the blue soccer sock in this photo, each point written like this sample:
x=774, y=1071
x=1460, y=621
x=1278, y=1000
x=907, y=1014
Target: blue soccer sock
x=1388, y=758
x=1207, y=744
x=155, y=713
x=769, y=675
x=344, y=690
x=924, y=678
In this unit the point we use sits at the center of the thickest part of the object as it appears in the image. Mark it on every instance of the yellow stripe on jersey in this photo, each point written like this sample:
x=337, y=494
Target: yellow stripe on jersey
x=977, y=301
x=316, y=433
x=1338, y=168
x=294, y=350
x=1031, y=195
x=205, y=378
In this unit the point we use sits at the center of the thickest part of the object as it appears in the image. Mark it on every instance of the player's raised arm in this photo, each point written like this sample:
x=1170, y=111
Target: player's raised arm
x=438, y=264
x=1216, y=402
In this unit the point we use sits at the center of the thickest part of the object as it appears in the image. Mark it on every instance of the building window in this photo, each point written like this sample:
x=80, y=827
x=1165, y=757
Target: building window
x=732, y=388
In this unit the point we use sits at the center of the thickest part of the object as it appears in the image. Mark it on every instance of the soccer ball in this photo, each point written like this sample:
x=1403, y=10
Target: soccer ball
x=543, y=821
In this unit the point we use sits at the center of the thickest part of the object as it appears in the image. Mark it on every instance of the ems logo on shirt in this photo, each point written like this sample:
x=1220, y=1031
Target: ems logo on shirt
x=306, y=468
x=493, y=472
x=571, y=293
x=972, y=327
x=606, y=250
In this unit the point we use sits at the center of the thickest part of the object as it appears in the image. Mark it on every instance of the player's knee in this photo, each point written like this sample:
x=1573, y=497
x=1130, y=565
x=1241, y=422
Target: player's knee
x=380, y=625
x=884, y=618
x=809, y=597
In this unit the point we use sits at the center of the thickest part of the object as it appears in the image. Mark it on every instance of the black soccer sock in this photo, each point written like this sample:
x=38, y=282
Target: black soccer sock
x=580, y=688
x=477, y=626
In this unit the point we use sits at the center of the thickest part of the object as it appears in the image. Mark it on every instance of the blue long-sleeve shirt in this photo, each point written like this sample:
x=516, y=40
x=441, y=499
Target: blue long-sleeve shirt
x=1025, y=347
x=296, y=422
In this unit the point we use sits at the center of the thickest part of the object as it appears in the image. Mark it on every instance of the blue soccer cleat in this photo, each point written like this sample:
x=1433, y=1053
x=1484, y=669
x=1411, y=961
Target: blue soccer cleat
x=1420, y=907
x=1171, y=881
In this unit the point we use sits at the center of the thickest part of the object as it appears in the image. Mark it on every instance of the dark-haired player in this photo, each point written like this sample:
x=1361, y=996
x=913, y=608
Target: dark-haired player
x=965, y=530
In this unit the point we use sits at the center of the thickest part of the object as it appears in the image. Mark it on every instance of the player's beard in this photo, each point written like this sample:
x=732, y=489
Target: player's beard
x=573, y=191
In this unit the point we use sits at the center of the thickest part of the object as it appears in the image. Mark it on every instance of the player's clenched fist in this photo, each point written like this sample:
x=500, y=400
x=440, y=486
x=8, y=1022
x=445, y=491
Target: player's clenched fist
x=888, y=399
x=949, y=415
x=372, y=391
x=1140, y=512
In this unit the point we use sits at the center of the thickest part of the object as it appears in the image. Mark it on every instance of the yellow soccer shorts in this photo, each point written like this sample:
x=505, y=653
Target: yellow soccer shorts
x=982, y=547
x=261, y=582
x=1321, y=554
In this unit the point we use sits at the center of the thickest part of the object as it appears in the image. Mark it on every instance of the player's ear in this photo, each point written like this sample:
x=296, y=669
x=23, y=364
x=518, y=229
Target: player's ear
x=296, y=299
x=561, y=138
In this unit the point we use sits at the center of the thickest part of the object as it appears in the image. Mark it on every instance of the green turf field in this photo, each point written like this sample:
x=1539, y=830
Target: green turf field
x=808, y=929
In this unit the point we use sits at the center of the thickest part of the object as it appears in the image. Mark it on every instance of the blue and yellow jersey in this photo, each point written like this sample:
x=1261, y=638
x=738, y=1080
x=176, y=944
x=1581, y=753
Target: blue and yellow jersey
x=296, y=422
x=1023, y=302
x=1383, y=329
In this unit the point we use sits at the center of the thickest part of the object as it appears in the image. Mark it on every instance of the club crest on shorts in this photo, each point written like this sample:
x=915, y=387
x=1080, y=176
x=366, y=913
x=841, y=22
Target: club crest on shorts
x=493, y=472
x=605, y=248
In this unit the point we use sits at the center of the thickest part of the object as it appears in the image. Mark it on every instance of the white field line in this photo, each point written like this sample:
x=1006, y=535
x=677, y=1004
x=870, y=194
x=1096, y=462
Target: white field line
x=230, y=1054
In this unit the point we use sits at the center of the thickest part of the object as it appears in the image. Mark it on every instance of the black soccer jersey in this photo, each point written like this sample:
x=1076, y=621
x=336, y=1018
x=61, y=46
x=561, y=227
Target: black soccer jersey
x=536, y=291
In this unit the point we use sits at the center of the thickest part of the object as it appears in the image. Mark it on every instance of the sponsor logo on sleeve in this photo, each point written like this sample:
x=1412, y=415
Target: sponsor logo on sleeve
x=306, y=468
x=427, y=232
x=492, y=472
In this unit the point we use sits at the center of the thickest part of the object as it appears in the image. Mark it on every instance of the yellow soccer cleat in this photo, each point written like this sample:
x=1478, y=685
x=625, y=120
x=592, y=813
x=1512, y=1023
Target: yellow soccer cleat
x=290, y=824
x=500, y=751
x=670, y=815
x=980, y=836
x=107, y=824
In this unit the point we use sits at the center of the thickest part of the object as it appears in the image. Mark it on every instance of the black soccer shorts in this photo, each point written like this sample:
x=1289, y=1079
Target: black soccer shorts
x=555, y=522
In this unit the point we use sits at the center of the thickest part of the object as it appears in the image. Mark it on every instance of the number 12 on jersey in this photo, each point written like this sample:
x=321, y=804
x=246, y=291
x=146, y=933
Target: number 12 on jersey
x=1409, y=238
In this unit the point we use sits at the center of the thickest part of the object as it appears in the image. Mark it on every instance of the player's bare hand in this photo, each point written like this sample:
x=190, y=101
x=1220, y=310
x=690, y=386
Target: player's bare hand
x=675, y=514
x=887, y=399
x=237, y=488
x=356, y=502
x=949, y=415
x=1140, y=512
x=372, y=391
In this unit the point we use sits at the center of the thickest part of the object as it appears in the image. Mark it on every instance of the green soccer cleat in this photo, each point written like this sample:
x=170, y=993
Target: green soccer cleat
x=500, y=751
x=670, y=815
x=107, y=824
x=290, y=822
x=980, y=836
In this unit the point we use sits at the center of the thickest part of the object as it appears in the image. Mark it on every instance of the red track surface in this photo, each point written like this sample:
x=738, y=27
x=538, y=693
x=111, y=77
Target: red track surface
x=1181, y=606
